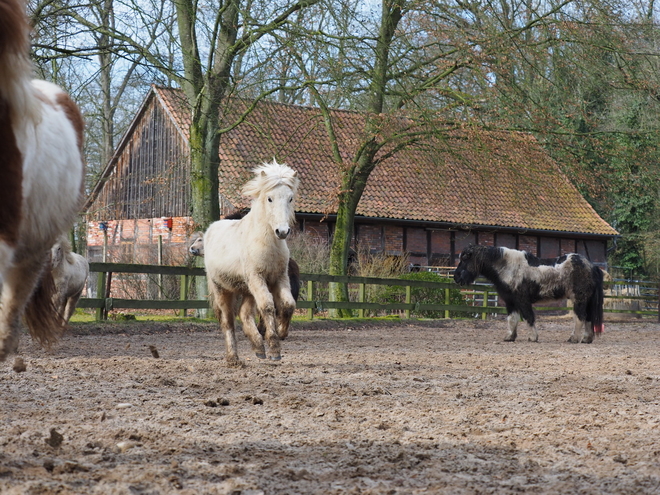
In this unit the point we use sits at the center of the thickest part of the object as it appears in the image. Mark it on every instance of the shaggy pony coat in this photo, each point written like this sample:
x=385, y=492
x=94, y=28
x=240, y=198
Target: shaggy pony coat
x=249, y=258
x=41, y=182
x=196, y=248
x=522, y=279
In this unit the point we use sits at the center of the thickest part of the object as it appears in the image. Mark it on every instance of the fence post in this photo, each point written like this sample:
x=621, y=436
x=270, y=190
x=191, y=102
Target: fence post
x=447, y=300
x=183, y=292
x=100, y=292
x=406, y=313
x=160, y=262
x=484, y=315
x=310, y=297
x=361, y=296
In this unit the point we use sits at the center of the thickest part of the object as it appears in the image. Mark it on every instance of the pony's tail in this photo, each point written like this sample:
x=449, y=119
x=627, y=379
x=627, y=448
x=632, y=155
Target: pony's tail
x=16, y=69
x=42, y=318
x=595, y=304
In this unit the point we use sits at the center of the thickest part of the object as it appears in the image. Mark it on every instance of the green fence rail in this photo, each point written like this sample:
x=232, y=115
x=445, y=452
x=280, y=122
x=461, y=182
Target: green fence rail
x=483, y=295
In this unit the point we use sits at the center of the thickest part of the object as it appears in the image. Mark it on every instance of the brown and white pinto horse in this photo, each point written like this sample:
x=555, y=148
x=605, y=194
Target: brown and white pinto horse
x=41, y=181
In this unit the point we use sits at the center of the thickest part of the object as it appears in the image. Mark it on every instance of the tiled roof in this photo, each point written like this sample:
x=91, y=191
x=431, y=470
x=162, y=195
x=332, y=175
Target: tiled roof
x=469, y=177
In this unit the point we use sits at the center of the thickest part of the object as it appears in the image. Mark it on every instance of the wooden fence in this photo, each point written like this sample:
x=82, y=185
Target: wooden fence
x=481, y=296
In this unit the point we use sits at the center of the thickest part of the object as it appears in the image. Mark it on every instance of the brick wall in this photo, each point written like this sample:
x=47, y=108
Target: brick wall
x=486, y=238
x=393, y=240
x=370, y=237
x=528, y=243
x=567, y=246
x=440, y=242
x=319, y=230
x=549, y=248
x=416, y=241
x=507, y=240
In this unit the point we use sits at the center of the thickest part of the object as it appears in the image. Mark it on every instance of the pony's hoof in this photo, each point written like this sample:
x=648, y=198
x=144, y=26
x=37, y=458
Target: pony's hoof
x=509, y=338
x=587, y=340
x=261, y=355
x=276, y=358
x=531, y=339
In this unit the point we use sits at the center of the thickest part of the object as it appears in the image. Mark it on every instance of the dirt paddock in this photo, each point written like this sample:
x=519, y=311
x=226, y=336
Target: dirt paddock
x=406, y=408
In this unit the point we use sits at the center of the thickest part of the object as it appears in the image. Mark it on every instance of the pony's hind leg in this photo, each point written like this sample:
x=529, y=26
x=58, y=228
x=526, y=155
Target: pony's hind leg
x=223, y=305
x=582, y=330
x=247, y=314
x=530, y=317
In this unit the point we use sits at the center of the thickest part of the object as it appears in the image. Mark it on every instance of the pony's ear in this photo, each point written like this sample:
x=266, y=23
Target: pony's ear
x=295, y=174
x=263, y=174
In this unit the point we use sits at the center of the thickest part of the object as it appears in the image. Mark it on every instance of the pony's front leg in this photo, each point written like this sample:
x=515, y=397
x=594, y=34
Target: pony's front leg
x=286, y=305
x=247, y=314
x=512, y=321
x=266, y=306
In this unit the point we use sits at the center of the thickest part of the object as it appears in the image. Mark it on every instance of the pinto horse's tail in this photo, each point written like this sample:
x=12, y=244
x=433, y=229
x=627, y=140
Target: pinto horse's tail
x=42, y=318
x=595, y=303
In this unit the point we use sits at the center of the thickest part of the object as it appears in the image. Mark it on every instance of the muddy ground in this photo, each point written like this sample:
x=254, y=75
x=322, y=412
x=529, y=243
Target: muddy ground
x=406, y=408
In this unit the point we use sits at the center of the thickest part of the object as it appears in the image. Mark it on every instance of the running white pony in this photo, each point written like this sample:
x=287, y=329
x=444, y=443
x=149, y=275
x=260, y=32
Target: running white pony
x=70, y=272
x=249, y=257
x=41, y=183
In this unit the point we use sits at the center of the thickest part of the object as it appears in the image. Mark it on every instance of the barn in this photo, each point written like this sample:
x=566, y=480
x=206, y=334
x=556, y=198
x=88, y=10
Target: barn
x=429, y=200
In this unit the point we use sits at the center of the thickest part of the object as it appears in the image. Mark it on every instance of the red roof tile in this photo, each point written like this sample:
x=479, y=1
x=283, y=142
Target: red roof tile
x=469, y=177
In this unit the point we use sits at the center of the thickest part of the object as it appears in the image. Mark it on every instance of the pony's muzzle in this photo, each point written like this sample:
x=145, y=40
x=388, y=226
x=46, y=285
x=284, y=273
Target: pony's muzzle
x=282, y=233
x=463, y=277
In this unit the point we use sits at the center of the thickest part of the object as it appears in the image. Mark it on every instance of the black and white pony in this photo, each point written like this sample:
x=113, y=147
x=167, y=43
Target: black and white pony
x=522, y=279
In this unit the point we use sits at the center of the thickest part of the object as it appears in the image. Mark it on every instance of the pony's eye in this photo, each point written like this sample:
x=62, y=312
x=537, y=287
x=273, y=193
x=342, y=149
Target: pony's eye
x=270, y=200
x=290, y=199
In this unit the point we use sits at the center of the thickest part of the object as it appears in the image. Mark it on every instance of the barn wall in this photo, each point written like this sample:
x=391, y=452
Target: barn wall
x=151, y=174
x=137, y=240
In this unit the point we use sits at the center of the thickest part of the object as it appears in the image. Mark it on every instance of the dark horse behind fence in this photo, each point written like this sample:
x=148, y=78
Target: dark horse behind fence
x=522, y=279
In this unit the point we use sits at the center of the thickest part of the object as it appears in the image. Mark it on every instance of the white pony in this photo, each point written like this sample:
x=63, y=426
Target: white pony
x=41, y=182
x=70, y=272
x=249, y=257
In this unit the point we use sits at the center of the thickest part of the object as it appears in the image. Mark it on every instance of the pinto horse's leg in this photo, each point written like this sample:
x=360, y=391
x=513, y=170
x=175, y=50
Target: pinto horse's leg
x=512, y=320
x=247, y=313
x=18, y=285
x=266, y=306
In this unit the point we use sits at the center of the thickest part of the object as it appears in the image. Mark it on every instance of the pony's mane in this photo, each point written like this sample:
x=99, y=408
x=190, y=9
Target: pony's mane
x=270, y=175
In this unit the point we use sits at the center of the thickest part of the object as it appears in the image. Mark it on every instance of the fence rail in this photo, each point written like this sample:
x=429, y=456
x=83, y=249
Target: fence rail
x=482, y=295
